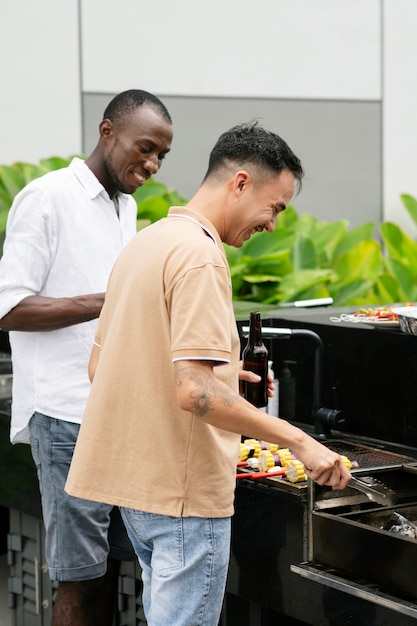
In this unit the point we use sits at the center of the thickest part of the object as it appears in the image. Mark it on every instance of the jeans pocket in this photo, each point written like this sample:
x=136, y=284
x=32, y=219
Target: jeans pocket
x=170, y=555
x=156, y=538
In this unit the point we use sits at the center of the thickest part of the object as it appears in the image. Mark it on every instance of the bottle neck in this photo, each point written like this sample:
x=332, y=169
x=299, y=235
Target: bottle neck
x=255, y=330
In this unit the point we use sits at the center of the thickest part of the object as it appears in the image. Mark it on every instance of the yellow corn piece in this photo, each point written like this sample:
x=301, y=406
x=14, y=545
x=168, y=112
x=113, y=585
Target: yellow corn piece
x=272, y=447
x=294, y=471
x=253, y=443
x=244, y=452
x=265, y=460
x=284, y=455
x=346, y=461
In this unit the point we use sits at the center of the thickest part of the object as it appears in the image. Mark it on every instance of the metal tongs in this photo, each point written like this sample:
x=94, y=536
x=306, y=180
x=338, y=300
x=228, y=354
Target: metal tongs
x=374, y=489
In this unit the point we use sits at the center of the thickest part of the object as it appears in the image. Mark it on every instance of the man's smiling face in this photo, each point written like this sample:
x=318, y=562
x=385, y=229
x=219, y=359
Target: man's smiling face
x=137, y=148
x=259, y=207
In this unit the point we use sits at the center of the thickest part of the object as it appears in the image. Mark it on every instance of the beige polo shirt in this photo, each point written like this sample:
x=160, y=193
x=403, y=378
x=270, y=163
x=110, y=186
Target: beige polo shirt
x=169, y=297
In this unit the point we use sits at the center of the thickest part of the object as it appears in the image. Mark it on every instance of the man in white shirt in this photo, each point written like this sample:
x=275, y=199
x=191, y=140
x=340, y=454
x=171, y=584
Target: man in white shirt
x=64, y=233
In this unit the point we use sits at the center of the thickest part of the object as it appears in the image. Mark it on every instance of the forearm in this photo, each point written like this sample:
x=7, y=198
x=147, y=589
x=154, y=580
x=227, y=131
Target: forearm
x=40, y=313
x=200, y=392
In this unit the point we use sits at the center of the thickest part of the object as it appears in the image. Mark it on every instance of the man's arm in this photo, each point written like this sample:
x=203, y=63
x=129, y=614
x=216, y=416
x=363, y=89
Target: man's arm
x=201, y=393
x=39, y=313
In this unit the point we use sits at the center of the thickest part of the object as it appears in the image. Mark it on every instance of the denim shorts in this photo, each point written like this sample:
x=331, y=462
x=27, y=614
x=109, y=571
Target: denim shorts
x=184, y=564
x=80, y=534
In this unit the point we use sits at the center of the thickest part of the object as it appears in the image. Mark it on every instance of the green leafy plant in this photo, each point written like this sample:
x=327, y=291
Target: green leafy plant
x=154, y=199
x=303, y=258
x=306, y=258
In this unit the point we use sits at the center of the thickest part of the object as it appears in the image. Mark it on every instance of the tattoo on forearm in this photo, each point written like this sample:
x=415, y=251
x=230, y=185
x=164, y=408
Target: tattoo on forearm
x=206, y=387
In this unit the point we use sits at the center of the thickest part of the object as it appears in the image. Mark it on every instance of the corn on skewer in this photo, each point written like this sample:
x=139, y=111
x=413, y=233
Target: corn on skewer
x=294, y=471
x=267, y=457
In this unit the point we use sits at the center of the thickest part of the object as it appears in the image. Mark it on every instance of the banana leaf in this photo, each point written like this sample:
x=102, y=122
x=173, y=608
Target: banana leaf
x=254, y=279
x=353, y=237
x=239, y=286
x=267, y=243
x=56, y=162
x=233, y=254
x=294, y=286
x=400, y=246
x=3, y=222
x=313, y=292
x=29, y=171
x=364, y=260
x=175, y=198
x=326, y=238
x=150, y=189
x=140, y=224
x=155, y=189
x=5, y=202
x=410, y=204
x=250, y=272
x=352, y=291
x=153, y=209
x=278, y=263
x=11, y=180
x=305, y=225
x=406, y=284
x=387, y=289
x=303, y=253
x=287, y=218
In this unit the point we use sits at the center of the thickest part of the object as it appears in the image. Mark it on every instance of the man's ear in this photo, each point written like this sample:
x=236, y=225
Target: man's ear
x=242, y=180
x=106, y=129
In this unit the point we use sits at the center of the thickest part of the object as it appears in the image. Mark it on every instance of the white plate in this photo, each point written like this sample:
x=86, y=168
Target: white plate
x=373, y=321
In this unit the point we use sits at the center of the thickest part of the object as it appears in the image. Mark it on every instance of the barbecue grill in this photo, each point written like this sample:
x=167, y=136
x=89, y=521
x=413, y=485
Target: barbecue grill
x=323, y=556
x=301, y=554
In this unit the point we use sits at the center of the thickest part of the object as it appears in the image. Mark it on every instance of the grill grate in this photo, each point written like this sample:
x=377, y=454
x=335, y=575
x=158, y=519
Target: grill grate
x=366, y=456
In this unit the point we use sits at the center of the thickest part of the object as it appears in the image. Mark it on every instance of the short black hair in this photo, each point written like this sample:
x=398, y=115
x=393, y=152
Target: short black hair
x=128, y=101
x=250, y=144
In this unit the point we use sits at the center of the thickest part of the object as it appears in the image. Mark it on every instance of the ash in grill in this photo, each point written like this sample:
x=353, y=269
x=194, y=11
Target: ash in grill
x=400, y=525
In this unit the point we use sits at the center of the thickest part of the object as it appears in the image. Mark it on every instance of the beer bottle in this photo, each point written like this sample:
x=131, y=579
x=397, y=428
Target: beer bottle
x=255, y=359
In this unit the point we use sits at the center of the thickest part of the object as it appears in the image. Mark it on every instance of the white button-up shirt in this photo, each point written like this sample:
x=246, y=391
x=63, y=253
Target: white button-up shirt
x=63, y=237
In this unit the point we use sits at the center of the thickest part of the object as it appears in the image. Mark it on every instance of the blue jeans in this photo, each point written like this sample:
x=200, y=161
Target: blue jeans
x=80, y=535
x=184, y=562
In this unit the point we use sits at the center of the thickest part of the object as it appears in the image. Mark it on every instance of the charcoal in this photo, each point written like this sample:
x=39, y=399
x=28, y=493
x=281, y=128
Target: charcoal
x=401, y=526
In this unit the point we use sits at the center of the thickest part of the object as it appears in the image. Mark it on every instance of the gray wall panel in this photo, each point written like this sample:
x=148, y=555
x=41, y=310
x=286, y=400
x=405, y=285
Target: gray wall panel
x=339, y=144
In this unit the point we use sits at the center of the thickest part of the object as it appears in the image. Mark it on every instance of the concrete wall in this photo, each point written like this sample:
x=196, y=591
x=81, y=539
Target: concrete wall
x=336, y=78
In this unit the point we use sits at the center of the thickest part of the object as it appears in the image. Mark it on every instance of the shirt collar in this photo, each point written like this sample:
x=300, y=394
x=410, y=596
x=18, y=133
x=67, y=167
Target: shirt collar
x=205, y=224
x=86, y=177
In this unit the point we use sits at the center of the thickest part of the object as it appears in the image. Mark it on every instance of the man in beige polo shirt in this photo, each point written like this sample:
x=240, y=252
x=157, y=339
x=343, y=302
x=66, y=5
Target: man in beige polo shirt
x=161, y=432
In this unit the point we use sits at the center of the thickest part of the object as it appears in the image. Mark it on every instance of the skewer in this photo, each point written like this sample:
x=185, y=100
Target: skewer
x=255, y=475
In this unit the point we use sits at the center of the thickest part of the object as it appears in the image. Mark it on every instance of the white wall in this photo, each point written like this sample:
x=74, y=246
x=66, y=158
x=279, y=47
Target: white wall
x=40, y=105
x=320, y=50
x=269, y=48
x=400, y=108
